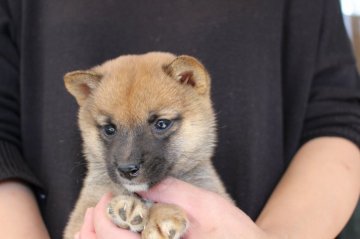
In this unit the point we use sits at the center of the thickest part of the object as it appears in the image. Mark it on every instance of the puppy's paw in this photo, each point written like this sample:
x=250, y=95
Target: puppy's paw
x=165, y=222
x=128, y=212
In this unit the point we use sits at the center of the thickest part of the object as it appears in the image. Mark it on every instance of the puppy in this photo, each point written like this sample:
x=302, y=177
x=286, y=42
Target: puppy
x=143, y=118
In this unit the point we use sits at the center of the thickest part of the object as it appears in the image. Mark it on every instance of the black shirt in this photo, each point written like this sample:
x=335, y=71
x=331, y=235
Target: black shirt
x=282, y=72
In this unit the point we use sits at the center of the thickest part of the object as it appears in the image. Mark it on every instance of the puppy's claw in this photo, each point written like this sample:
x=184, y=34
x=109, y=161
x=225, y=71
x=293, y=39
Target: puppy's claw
x=122, y=213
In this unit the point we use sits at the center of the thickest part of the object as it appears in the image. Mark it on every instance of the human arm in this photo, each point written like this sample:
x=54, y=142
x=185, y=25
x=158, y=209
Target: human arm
x=19, y=214
x=318, y=192
x=332, y=108
x=18, y=208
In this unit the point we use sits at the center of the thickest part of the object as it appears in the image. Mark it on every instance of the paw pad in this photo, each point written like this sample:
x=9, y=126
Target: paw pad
x=128, y=212
x=165, y=221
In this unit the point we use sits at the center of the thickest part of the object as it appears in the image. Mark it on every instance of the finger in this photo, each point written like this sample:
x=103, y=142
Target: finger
x=168, y=191
x=88, y=224
x=87, y=229
x=104, y=228
x=100, y=218
x=86, y=235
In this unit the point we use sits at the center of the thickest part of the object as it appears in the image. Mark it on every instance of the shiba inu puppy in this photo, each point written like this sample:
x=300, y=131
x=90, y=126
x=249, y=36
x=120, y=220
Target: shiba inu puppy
x=143, y=118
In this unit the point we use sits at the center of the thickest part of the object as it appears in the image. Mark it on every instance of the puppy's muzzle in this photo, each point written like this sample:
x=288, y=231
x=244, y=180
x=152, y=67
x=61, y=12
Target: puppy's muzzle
x=129, y=171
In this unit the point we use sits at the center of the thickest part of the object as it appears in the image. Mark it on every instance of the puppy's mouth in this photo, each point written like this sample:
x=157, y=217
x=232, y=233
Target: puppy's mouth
x=139, y=184
x=133, y=187
x=136, y=184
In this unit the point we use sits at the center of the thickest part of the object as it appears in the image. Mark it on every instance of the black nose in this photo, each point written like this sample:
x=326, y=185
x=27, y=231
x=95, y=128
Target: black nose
x=129, y=171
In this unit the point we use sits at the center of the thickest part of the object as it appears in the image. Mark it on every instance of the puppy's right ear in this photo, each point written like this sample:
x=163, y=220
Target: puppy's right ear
x=81, y=83
x=187, y=70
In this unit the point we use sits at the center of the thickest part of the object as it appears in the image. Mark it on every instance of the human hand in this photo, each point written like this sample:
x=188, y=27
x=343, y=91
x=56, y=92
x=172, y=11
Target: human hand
x=211, y=216
x=96, y=225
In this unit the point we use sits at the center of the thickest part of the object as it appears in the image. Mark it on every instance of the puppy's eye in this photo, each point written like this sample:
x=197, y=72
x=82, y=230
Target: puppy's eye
x=109, y=129
x=162, y=124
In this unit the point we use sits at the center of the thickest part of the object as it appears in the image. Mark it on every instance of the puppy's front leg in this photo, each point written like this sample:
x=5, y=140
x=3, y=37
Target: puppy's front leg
x=165, y=222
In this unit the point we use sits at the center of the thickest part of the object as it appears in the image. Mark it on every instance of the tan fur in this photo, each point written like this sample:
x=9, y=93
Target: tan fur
x=128, y=89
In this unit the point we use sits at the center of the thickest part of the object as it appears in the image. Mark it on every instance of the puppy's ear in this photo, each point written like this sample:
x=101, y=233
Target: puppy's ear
x=81, y=83
x=189, y=71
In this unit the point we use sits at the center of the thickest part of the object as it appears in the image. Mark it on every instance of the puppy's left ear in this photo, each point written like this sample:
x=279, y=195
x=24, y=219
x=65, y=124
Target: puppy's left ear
x=81, y=83
x=189, y=71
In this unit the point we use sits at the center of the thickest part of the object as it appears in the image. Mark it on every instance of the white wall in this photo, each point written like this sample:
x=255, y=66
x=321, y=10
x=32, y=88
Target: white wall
x=351, y=11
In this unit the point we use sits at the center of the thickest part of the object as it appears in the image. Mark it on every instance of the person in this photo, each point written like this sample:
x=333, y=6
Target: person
x=285, y=89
